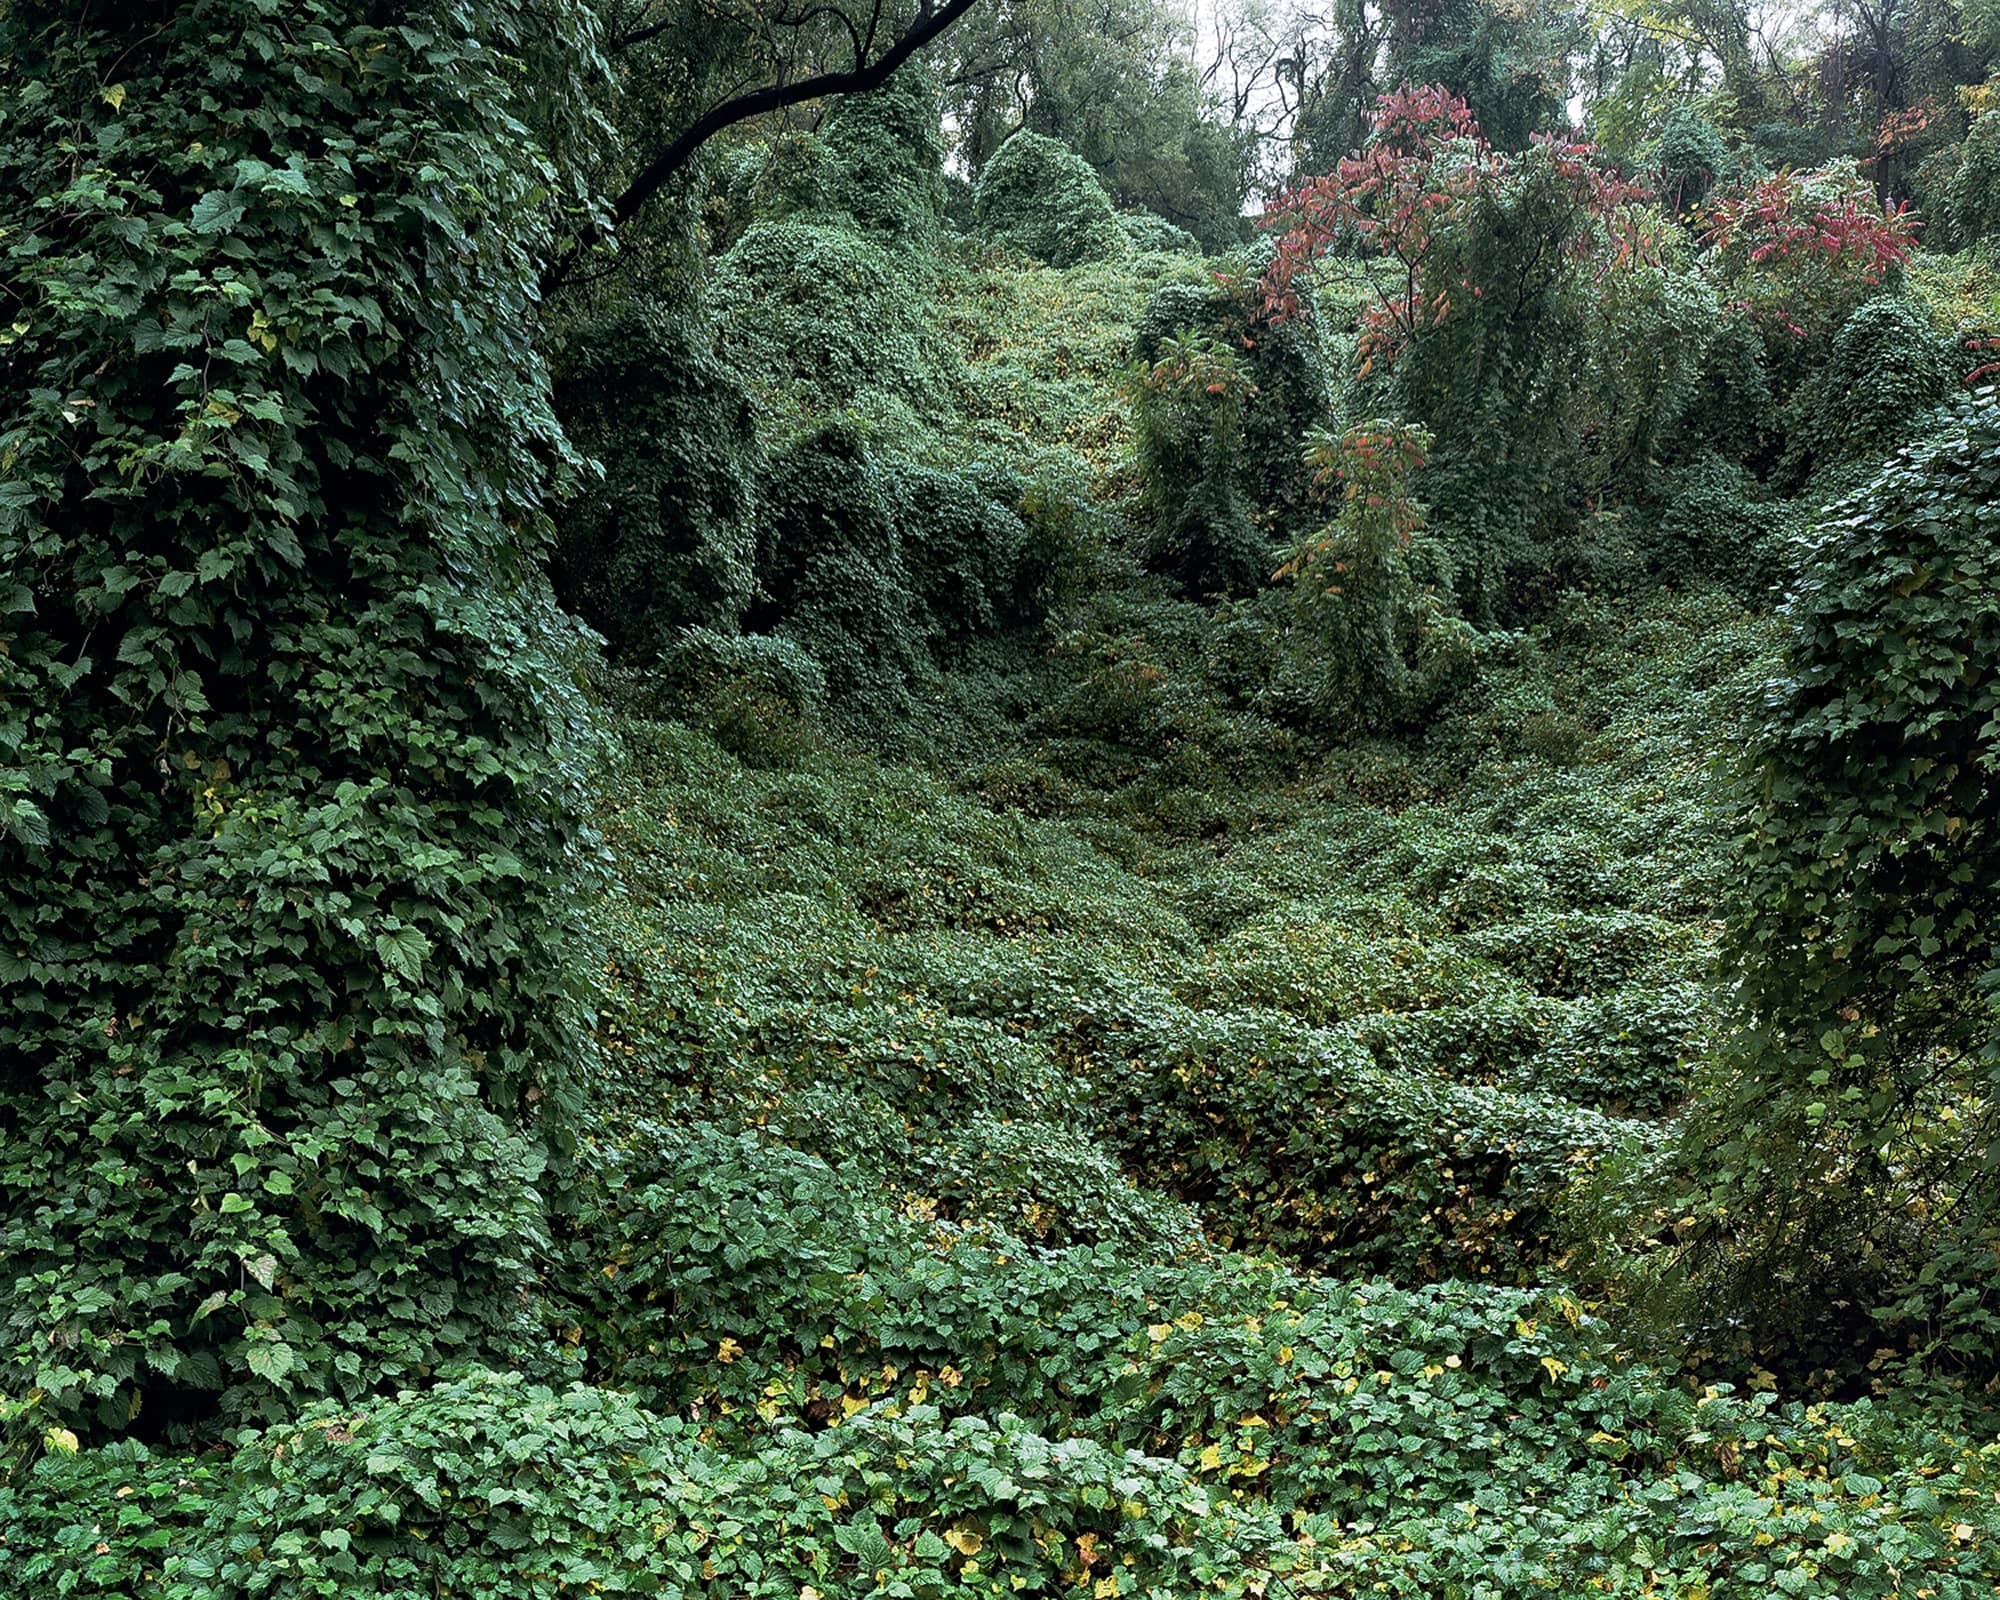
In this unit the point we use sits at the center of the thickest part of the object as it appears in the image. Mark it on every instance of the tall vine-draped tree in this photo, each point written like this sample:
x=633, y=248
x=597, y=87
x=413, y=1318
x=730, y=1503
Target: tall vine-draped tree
x=1509, y=63
x=288, y=804
x=1849, y=1161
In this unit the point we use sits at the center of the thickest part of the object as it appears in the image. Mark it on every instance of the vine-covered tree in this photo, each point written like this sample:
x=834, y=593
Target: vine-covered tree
x=1844, y=1160
x=289, y=801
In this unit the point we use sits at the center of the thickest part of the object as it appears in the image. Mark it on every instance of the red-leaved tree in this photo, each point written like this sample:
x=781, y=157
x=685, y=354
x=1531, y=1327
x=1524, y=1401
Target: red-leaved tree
x=1424, y=166
x=1802, y=250
x=1484, y=266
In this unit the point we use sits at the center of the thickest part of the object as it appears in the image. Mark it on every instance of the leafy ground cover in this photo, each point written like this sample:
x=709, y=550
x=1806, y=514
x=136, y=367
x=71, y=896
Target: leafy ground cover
x=1088, y=1094
x=1136, y=1198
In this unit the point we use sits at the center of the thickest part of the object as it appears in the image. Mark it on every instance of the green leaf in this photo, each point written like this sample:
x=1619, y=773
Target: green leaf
x=270, y=1359
x=403, y=952
x=218, y=211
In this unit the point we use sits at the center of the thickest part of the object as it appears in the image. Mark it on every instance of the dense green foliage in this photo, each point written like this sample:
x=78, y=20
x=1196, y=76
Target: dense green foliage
x=1181, y=924
x=292, y=788
x=1039, y=197
x=1505, y=63
x=1850, y=1140
x=665, y=540
x=876, y=1317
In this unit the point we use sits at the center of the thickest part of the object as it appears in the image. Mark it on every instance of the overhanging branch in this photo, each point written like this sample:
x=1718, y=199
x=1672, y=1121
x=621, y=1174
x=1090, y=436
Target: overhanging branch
x=858, y=79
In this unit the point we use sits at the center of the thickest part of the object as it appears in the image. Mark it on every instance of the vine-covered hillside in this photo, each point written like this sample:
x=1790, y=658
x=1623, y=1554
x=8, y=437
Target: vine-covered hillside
x=986, y=800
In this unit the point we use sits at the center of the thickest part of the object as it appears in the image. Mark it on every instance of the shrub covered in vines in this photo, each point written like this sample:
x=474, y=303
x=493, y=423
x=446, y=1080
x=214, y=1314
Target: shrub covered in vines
x=878, y=568
x=1732, y=409
x=1283, y=359
x=1189, y=403
x=1147, y=230
x=824, y=300
x=820, y=319
x=1688, y=158
x=832, y=579
x=1224, y=395
x=662, y=537
x=1714, y=520
x=1886, y=368
x=963, y=550
x=1650, y=328
x=1376, y=646
x=758, y=696
x=1038, y=196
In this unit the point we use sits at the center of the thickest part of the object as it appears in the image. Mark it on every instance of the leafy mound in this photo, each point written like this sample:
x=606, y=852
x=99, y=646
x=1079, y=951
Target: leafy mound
x=1038, y=196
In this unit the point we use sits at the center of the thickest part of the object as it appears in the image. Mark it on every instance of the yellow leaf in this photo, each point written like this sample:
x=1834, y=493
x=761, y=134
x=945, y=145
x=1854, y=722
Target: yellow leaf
x=728, y=1351
x=1554, y=1368
x=1158, y=1332
x=1211, y=1458
x=966, y=1541
x=114, y=96
x=60, y=1439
